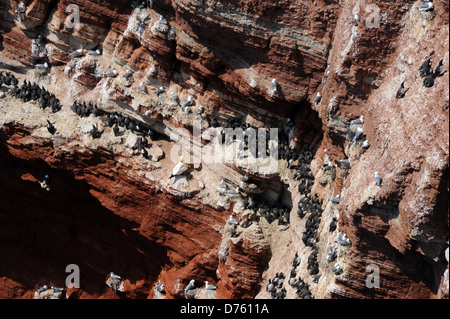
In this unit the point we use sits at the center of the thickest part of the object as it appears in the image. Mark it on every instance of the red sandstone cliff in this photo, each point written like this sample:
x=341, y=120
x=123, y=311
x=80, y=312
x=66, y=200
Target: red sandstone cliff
x=110, y=210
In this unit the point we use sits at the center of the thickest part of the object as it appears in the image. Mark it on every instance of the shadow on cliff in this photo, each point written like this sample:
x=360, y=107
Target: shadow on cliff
x=41, y=232
x=405, y=267
x=6, y=22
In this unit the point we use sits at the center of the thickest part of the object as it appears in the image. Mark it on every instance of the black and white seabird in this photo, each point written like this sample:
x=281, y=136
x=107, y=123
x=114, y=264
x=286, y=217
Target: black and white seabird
x=187, y=102
x=111, y=74
x=56, y=289
x=96, y=52
x=233, y=191
x=355, y=18
x=115, y=276
x=364, y=144
x=190, y=286
x=358, y=121
x=144, y=153
x=438, y=71
x=143, y=88
x=209, y=286
x=46, y=179
x=77, y=53
x=179, y=169
x=317, y=98
x=232, y=221
x=160, y=287
x=336, y=199
x=95, y=133
x=274, y=85
x=44, y=65
x=42, y=289
x=21, y=8
x=171, y=34
x=162, y=20
x=428, y=6
x=116, y=129
x=144, y=141
x=401, y=91
x=358, y=135
x=377, y=179
x=429, y=81
x=425, y=68
x=159, y=91
x=51, y=128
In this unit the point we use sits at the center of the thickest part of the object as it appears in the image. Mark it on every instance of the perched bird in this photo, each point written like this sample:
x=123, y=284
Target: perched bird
x=143, y=88
x=317, y=98
x=425, y=68
x=358, y=135
x=190, y=286
x=296, y=260
x=179, y=168
x=274, y=85
x=95, y=133
x=270, y=287
x=187, y=102
x=428, y=6
x=171, y=34
x=401, y=91
x=153, y=70
x=223, y=184
x=116, y=129
x=144, y=153
x=355, y=18
x=77, y=53
x=209, y=287
x=174, y=97
x=232, y=221
x=21, y=8
x=159, y=91
x=357, y=121
x=141, y=29
x=336, y=269
x=95, y=52
x=438, y=71
x=332, y=254
x=160, y=287
x=144, y=141
x=96, y=111
x=233, y=191
x=42, y=289
x=336, y=199
x=429, y=80
x=112, y=73
x=115, y=276
x=44, y=65
x=46, y=182
x=364, y=144
x=127, y=74
x=56, y=289
x=51, y=128
x=377, y=179
x=162, y=20
x=343, y=240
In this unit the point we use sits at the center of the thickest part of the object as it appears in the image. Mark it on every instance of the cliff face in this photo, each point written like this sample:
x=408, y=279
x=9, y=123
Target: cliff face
x=111, y=209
